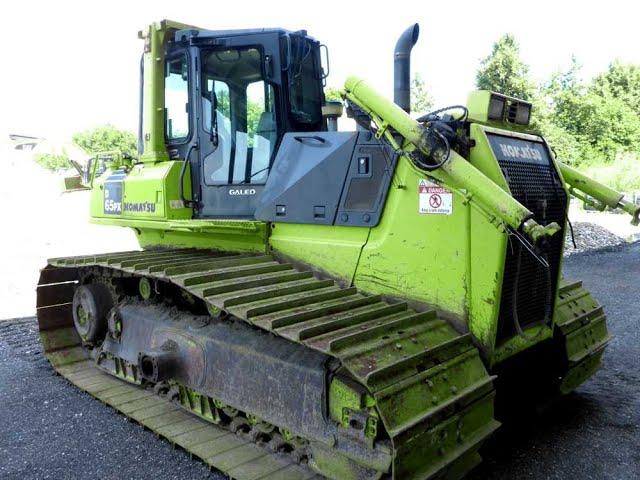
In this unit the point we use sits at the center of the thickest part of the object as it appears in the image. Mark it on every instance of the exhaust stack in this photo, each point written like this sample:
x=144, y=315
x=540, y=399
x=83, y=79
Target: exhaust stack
x=402, y=67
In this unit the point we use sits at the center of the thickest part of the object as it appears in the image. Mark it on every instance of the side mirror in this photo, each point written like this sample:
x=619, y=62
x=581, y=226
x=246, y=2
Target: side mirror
x=73, y=183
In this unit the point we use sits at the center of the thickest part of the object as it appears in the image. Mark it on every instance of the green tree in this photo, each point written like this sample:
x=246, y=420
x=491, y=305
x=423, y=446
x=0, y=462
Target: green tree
x=567, y=80
x=562, y=85
x=599, y=125
x=504, y=71
x=621, y=81
x=106, y=138
x=584, y=125
x=254, y=112
x=604, y=125
x=421, y=99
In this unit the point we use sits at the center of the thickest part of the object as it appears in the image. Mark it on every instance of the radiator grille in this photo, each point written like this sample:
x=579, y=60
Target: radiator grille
x=537, y=186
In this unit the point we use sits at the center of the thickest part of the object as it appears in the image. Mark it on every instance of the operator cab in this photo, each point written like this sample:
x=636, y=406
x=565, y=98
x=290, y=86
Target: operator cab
x=229, y=98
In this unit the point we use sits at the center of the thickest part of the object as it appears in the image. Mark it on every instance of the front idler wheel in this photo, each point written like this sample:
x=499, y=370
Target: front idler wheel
x=91, y=304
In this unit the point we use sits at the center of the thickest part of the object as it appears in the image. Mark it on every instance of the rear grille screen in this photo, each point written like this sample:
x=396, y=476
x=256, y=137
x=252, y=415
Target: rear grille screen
x=534, y=182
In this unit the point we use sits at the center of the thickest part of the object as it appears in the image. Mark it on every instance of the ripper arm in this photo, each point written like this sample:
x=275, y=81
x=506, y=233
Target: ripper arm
x=596, y=194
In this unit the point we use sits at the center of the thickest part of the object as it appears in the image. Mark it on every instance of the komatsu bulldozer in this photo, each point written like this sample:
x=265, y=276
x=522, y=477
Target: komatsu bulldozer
x=312, y=302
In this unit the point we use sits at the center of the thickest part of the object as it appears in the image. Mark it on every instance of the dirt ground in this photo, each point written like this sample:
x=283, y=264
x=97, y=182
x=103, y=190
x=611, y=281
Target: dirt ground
x=594, y=433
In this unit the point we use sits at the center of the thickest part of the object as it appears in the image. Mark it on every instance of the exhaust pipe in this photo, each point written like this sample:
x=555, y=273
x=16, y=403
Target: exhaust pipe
x=402, y=67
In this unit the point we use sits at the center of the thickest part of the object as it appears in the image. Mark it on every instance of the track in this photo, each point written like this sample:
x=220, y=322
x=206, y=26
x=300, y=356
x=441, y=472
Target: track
x=397, y=353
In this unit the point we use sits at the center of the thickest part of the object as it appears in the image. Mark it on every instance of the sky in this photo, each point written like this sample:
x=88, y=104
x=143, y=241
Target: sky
x=75, y=65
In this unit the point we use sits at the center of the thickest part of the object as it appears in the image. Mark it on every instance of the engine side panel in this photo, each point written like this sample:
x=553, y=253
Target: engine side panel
x=418, y=252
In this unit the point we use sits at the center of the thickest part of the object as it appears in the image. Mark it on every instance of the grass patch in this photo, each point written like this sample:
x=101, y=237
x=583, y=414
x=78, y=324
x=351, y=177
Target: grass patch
x=623, y=174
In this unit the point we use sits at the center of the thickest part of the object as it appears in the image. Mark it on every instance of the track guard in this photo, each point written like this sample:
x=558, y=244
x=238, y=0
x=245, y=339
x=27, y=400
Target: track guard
x=581, y=334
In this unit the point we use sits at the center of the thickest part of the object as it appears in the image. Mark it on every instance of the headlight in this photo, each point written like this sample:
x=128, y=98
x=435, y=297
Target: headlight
x=496, y=107
x=523, y=113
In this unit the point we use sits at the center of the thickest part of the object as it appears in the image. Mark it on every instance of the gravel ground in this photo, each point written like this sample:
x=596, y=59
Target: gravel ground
x=51, y=430
x=589, y=237
x=594, y=433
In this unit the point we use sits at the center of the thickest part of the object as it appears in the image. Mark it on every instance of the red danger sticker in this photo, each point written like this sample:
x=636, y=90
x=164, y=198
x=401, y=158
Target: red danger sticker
x=434, y=198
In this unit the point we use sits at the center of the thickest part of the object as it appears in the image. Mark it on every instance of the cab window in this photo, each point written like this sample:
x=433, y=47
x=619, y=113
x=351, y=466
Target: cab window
x=305, y=95
x=239, y=113
x=176, y=101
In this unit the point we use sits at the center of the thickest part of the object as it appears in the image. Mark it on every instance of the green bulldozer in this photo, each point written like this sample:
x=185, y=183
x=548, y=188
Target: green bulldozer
x=312, y=303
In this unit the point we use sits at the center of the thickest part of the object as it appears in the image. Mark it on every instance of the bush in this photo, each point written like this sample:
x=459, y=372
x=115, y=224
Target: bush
x=565, y=145
x=52, y=161
x=107, y=138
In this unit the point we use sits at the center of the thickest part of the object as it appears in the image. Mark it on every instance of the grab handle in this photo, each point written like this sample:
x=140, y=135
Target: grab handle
x=305, y=138
x=183, y=169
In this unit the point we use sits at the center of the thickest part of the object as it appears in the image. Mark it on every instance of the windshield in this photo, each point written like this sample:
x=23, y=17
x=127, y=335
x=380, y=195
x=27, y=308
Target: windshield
x=239, y=112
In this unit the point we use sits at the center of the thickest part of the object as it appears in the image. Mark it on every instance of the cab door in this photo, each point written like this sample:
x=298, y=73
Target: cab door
x=238, y=123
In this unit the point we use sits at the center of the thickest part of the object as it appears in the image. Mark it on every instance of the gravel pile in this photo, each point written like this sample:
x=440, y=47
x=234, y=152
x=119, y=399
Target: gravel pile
x=588, y=237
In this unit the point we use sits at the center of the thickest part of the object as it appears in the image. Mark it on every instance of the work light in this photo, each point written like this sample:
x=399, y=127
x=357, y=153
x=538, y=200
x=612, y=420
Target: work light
x=497, y=105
